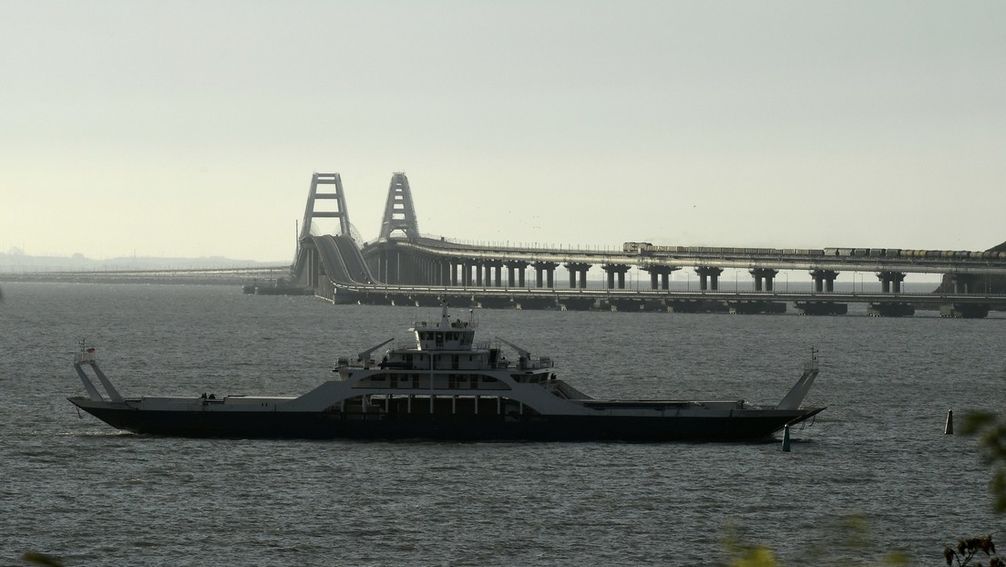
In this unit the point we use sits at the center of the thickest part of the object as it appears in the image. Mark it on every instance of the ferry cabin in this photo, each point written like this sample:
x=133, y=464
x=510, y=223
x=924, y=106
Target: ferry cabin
x=444, y=373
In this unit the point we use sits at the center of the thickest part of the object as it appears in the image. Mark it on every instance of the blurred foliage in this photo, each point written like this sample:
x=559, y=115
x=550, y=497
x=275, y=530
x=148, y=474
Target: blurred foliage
x=36, y=558
x=850, y=535
x=968, y=549
x=990, y=430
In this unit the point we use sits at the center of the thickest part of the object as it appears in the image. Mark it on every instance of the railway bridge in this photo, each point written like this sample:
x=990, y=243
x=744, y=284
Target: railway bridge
x=402, y=266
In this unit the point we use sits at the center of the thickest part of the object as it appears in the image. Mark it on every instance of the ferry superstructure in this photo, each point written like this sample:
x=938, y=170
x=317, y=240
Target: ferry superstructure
x=447, y=386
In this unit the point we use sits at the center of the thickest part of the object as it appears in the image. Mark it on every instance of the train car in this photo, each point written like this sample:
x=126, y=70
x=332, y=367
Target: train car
x=635, y=247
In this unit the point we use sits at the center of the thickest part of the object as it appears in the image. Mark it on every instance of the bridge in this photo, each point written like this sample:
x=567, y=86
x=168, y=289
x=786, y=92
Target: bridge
x=402, y=266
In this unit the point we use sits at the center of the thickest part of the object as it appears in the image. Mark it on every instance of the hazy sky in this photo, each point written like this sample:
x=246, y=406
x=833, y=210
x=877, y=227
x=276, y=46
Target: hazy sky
x=192, y=128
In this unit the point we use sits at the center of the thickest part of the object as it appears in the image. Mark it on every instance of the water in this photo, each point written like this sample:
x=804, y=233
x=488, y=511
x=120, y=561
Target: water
x=74, y=487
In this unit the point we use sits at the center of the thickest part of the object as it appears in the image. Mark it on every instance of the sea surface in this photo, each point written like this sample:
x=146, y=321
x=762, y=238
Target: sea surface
x=875, y=460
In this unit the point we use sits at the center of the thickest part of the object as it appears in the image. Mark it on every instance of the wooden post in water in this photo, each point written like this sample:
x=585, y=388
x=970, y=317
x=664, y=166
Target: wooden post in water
x=785, y=438
x=949, y=428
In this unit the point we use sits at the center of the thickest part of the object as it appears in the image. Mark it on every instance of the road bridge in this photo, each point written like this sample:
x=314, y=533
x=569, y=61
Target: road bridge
x=402, y=263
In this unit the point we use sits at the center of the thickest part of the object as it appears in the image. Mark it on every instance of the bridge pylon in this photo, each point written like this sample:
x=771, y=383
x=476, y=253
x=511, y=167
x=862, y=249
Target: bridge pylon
x=337, y=195
x=399, y=213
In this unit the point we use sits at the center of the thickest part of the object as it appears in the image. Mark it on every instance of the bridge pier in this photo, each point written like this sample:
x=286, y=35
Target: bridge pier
x=709, y=277
x=466, y=273
x=965, y=310
x=824, y=280
x=574, y=269
x=615, y=269
x=388, y=267
x=478, y=272
x=891, y=309
x=494, y=267
x=662, y=273
x=766, y=274
x=963, y=283
x=518, y=266
x=445, y=272
x=548, y=270
x=891, y=281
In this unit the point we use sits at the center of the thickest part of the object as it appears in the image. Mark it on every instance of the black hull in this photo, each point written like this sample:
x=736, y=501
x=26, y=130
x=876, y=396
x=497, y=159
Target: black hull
x=300, y=425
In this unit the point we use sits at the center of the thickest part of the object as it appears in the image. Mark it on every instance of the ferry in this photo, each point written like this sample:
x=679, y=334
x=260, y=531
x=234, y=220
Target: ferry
x=442, y=386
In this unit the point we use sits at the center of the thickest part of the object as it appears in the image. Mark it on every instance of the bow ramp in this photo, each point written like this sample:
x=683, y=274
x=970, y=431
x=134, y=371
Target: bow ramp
x=86, y=358
x=799, y=391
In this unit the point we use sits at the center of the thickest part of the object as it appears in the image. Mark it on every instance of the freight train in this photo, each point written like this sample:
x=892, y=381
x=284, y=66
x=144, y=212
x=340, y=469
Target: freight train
x=646, y=248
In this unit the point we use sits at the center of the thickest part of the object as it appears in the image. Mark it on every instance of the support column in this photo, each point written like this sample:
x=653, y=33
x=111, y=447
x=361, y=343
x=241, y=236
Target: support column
x=963, y=283
x=491, y=266
x=520, y=266
x=466, y=273
x=713, y=275
x=548, y=269
x=615, y=269
x=763, y=274
x=891, y=281
x=445, y=272
x=660, y=275
x=478, y=273
x=575, y=268
x=824, y=280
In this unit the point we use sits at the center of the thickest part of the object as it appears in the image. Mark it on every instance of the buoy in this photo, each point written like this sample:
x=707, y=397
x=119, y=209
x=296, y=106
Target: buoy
x=785, y=438
x=949, y=429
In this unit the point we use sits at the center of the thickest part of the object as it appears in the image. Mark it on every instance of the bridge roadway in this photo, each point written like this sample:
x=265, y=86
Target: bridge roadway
x=720, y=258
x=931, y=299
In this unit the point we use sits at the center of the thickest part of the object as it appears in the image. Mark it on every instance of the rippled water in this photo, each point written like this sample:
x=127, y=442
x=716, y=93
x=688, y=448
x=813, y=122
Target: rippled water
x=76, y=488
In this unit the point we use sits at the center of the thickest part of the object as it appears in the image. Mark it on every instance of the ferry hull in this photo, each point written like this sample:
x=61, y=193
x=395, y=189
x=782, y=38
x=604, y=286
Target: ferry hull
x=311, y=425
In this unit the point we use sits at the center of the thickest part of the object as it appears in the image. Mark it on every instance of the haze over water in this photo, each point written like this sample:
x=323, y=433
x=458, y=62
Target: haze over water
x=75, y=487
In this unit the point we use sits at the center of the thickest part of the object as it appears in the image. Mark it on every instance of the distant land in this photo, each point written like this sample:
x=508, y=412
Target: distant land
x=15, y=262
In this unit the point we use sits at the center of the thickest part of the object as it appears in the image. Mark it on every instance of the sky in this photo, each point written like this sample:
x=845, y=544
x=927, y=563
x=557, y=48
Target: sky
x=192, y=129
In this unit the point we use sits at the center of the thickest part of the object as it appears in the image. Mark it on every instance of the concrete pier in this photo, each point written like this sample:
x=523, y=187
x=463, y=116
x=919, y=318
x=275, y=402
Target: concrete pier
x=497, y=270
x=613, y=270
x=824, y=280
x=821, y=307
x=964, y=283
x=757, y=307
x=548, y=270
x=891, y=309
x=709, y=277
x=519, y=266
x=662, y=273
x=577, y=274
x=766, y=275
x=890, y=282
x=965, y=310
